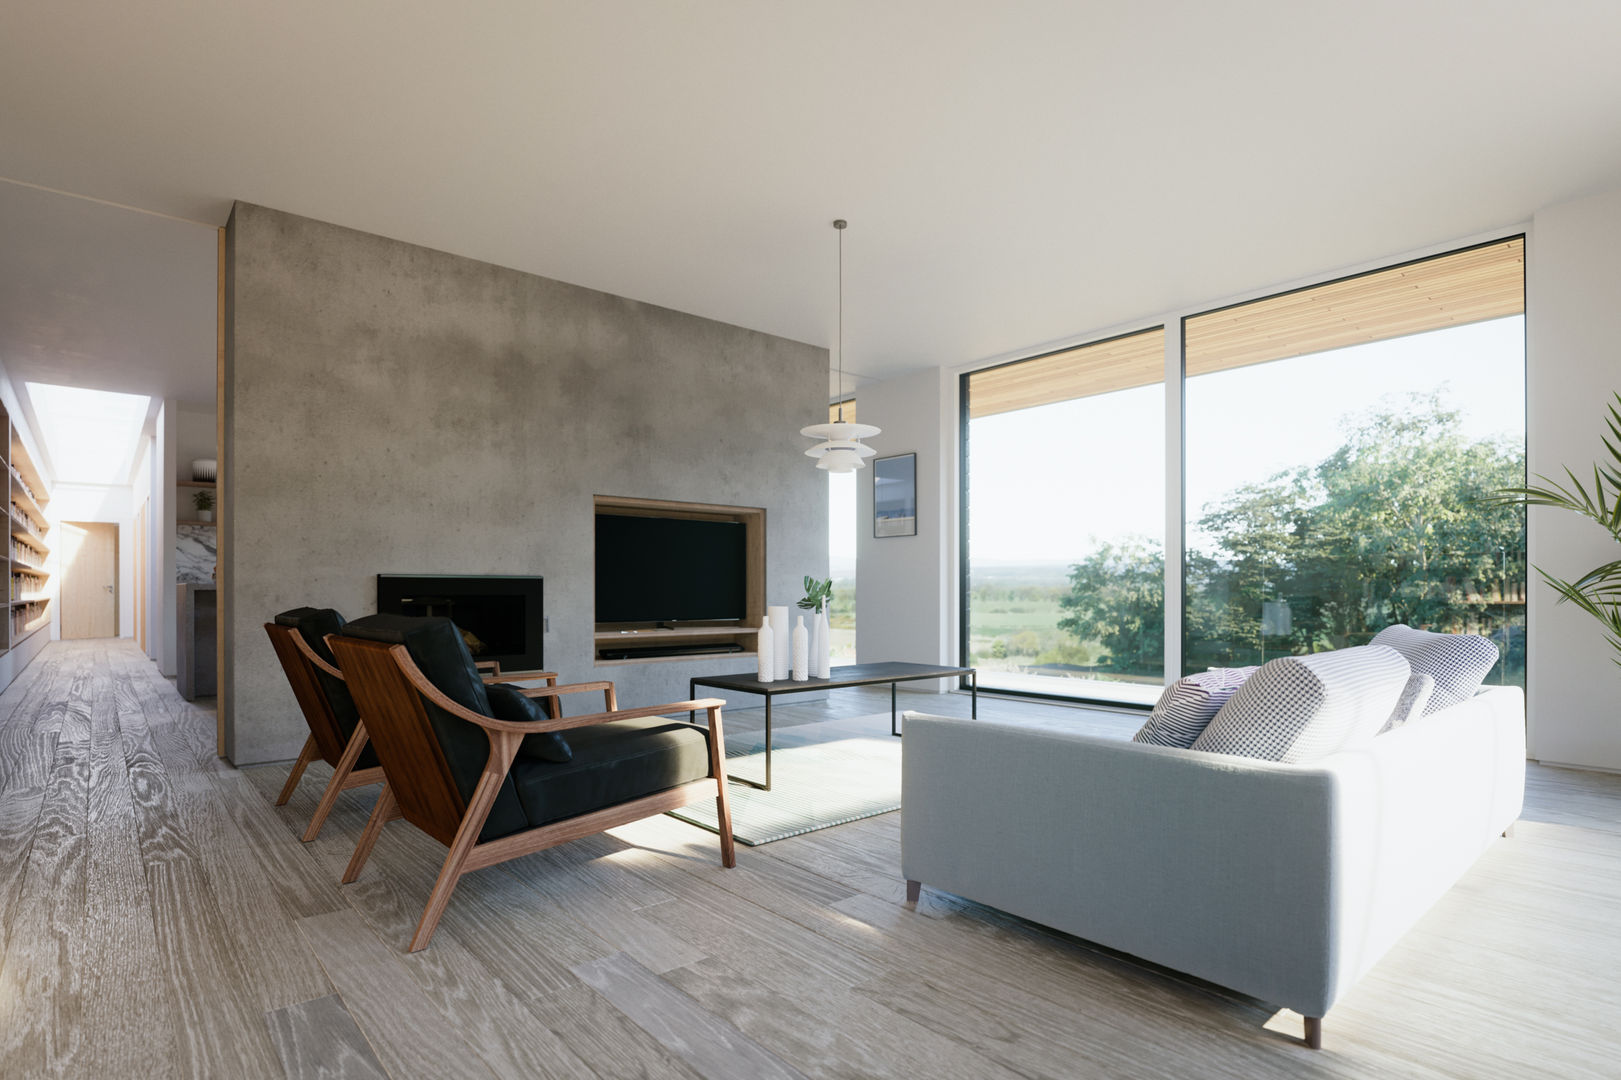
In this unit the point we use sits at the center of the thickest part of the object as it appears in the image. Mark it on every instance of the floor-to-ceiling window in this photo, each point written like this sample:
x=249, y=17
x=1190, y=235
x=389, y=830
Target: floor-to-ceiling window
x=841, y=552
x=1063, y=521
x=1338, y=442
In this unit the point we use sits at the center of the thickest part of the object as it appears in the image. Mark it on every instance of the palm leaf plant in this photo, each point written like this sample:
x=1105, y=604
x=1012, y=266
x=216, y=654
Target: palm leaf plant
x=1597, y=592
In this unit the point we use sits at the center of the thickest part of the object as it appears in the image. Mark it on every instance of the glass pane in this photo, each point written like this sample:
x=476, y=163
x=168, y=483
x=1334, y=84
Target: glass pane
x=1330, y=495
x=1065, y=511
x=841, y=549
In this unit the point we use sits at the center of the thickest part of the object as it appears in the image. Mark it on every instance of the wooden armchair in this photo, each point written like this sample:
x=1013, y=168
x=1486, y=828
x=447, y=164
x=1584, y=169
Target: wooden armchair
x=337, y=733
x=488, y=772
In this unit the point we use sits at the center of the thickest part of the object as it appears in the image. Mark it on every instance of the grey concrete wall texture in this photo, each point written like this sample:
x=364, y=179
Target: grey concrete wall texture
x=393, y=409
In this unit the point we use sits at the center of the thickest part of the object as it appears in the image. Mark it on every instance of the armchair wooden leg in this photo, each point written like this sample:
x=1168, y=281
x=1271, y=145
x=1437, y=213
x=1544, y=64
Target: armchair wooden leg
x=723, y=809
x=338, y=783
x=1509, y=832
x=384, y=812
x=914, y=889
x=305, y=756
x=503, y=748
x=1314, y=1032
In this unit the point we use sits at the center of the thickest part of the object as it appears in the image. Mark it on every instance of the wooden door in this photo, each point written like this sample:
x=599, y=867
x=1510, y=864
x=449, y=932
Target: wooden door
x=89, y=579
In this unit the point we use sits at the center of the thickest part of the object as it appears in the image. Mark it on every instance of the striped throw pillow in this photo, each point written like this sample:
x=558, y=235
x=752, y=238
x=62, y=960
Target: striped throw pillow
x=1410, y=706
x=1459, y=663
x=1188, y=705
x=1300, y=708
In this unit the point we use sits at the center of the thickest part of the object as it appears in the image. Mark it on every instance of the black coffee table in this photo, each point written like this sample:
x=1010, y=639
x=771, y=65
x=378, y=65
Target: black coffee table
x=842, y=677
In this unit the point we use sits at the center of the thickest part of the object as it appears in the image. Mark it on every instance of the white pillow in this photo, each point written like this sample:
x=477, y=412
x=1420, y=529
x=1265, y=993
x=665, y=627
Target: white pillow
x=1189, y=704
x=1410, y=706
x=1300, y=708
x=1459, y=663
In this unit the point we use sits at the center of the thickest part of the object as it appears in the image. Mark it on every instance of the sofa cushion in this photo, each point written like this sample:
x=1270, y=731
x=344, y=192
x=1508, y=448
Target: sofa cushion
x=1300, y=708
x=612, y=763
x=437, y=648
x=512, y=705
x=313, y=625
x=1459, y=663
x=1410, y=706
x=1189, y=704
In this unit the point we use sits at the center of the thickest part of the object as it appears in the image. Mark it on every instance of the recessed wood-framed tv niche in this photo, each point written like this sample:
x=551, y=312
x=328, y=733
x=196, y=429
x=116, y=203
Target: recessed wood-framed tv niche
x=614, y=637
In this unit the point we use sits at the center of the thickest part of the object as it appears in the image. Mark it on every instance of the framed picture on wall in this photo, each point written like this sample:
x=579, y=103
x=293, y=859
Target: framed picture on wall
x=894, y=496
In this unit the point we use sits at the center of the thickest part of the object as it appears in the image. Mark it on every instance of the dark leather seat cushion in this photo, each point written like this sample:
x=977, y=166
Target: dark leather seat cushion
x=313, y=625
x=437, y=648
x=511, y=705
x=612, y=763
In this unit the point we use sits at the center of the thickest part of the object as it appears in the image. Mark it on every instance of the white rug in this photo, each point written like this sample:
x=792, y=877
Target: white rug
x=822, y=774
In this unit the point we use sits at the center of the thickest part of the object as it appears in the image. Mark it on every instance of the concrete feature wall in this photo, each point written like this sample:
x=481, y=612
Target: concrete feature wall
x=1573, y=361
x=392, y=409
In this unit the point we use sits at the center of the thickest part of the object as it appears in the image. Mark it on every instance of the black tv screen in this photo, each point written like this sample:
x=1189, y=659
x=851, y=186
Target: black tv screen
x=667, y=570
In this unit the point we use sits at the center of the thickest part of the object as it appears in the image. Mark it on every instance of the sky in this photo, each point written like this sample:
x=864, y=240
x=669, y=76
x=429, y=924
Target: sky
x=1048, y=484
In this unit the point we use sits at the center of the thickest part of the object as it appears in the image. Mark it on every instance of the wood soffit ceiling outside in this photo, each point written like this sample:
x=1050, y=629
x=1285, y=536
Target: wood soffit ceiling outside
x=1474, y=285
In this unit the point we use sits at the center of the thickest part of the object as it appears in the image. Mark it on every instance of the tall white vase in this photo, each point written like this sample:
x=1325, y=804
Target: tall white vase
x=782, y=639
x=801, y=671
x=817, y=640
x=824, y=651
x=766, y=653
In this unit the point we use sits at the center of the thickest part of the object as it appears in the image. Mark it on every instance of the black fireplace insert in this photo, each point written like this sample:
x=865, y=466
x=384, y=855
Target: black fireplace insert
x=501, y=617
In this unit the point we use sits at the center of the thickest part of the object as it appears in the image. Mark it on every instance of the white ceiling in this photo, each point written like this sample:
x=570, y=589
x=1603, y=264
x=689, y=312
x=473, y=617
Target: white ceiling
x=102, y=298
x=1013, y=173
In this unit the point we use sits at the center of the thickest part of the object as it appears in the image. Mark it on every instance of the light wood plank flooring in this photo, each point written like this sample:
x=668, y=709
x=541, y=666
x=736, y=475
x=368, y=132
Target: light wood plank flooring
x=161, y=918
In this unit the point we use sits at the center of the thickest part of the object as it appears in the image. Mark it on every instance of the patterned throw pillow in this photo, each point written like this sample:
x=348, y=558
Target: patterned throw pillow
x=1300, y=708
x=1188, y=705
x=1459, y=663
x=1410, y=706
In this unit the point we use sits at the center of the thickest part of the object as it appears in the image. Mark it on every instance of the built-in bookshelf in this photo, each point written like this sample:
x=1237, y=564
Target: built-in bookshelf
x=29, y=549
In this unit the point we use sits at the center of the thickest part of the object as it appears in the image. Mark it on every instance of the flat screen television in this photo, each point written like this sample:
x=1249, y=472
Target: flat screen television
x=670, y=570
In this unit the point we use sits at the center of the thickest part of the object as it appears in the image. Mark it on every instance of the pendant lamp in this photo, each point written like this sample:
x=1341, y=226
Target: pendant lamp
x=841, y=449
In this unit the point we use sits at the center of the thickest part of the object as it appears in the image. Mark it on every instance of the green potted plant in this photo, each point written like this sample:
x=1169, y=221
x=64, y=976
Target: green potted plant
x=204, y=502
x=1597, y=592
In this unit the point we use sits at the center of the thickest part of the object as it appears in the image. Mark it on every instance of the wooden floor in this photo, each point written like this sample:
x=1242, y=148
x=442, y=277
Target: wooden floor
x=161, y=918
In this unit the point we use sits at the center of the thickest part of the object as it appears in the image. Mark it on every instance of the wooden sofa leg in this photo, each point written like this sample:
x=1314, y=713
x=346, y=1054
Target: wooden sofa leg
x=1509, y=832
x=305, y=756
x=336, y=785
x=914, y=889
x=384, y=812
x=1314, y=1032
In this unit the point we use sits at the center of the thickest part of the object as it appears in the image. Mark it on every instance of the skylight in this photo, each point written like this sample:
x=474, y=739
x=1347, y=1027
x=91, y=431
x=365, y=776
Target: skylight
x=90, y=435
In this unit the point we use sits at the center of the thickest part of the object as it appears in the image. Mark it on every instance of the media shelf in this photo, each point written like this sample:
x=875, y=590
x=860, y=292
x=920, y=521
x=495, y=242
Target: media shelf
x=614, y=637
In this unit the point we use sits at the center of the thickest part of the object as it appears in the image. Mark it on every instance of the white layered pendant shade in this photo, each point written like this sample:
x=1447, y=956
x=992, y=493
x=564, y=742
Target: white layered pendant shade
x=841, y=449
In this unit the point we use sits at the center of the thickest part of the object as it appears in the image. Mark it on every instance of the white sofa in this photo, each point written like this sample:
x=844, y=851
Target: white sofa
x=1283, y=882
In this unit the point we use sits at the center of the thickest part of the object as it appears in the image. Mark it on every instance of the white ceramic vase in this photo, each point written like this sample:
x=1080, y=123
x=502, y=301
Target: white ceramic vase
x=801, y=671
x=782, y=640
x=766, y=653
x=813, y=664
x=824, y=648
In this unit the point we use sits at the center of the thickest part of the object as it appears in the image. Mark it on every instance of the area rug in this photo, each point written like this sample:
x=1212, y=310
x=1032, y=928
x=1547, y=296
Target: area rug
x=822, y=774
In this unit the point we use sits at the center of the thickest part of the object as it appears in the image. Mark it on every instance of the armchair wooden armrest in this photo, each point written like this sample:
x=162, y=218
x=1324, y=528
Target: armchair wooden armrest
x=551, y=693
x=520, y=676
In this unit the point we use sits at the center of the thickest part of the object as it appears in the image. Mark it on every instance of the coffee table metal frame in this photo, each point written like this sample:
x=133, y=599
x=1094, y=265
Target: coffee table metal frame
x=842, y=678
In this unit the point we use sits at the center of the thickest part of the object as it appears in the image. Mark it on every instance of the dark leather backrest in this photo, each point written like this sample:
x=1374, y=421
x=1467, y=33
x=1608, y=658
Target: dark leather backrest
x=437, y=648
x=313, y=625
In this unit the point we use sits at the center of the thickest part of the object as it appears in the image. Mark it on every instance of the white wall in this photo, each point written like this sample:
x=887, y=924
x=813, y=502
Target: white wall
x=164, y=602
x=95, y=502
x=1573, y=351
x=906, y=585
